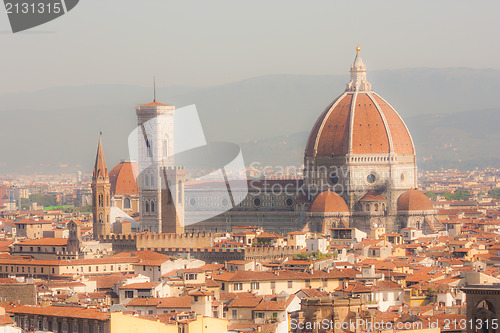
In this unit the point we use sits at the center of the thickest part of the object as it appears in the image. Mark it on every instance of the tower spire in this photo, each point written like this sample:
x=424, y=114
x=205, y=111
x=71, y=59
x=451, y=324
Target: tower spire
x=100, y=169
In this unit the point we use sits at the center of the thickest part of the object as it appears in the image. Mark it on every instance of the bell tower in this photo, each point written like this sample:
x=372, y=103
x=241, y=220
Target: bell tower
x=101, y=195
x=161, y=185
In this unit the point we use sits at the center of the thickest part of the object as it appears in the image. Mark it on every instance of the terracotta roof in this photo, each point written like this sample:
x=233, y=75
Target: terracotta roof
x=107, y=281
x=413, y=200
x=144, y=301
x=245, y=302
x=5, y=320
x=328, y=202
x=122, y=179
x=372, y=196
x=331, y=133
x=44, y=241
x=155, y=103
x=62, y=311
x=175, y=302
x=4, y=245
x=32, y=221
x=141, y=285
x=313, y=292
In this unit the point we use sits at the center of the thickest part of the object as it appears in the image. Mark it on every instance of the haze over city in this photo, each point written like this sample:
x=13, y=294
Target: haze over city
x=250, y=166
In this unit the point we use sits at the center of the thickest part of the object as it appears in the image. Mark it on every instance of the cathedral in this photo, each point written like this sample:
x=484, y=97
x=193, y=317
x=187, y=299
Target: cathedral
x=360, y=172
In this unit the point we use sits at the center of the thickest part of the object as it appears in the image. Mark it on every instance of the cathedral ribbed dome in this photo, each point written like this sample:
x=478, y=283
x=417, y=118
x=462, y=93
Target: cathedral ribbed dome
x=359, y=122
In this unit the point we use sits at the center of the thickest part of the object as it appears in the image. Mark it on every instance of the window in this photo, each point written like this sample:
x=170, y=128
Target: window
x=238, y=286
x=150, y=312
x=273, y=284
x=126, y=203
x=308, y=283
x=235, y=314
x=259, y=315
x=152, y=206
x=179, y=190
x=147, y=207
x=191, y=276
x=275, y=315
x=255, y=285
x=149, y=146
x=129, y=294
x=223, y=287
x=371, y=178
x=290, y=284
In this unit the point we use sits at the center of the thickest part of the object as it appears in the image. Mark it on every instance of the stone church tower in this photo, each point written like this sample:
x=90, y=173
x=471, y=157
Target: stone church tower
x=75, y=237
x=100, y=195
x=161, y=185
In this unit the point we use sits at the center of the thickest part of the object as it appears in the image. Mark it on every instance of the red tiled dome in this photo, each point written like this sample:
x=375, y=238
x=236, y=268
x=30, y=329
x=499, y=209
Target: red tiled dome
x=376, y=128
x=122, y=179
x=359, y=122
x=413, y=200
x=328, y=202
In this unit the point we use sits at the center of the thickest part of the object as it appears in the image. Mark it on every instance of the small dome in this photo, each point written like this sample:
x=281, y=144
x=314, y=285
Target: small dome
x=328, y=202
x=122, y=179
x=413, y=200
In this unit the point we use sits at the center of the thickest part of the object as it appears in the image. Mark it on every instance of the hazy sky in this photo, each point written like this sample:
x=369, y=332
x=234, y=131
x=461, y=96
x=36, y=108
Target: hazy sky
x=213, y=42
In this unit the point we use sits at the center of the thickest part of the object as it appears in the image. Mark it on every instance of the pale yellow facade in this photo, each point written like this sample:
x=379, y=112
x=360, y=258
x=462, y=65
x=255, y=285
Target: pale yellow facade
x=121, y=323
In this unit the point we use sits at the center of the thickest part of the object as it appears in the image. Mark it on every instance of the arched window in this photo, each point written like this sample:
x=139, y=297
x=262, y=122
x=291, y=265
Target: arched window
x=179, y=191
x=126, y=203
x=152, y=206
x=147, y=207
x=149, y=147
x=165, y=148
x=376, y=207
x=101, y=200
x=146, y=180
x=152, y=180
x=100, y=218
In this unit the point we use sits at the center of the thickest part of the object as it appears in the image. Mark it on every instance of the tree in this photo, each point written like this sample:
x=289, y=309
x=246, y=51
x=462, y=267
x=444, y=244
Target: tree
x=494, y=193
x=431, y=195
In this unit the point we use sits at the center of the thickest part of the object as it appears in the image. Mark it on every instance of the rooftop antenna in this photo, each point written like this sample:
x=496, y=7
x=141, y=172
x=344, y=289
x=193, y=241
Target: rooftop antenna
x=154, y=89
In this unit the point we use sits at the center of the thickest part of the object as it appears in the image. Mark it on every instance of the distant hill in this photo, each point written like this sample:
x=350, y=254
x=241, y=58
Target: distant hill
x=463, y=140
x=56, y=129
